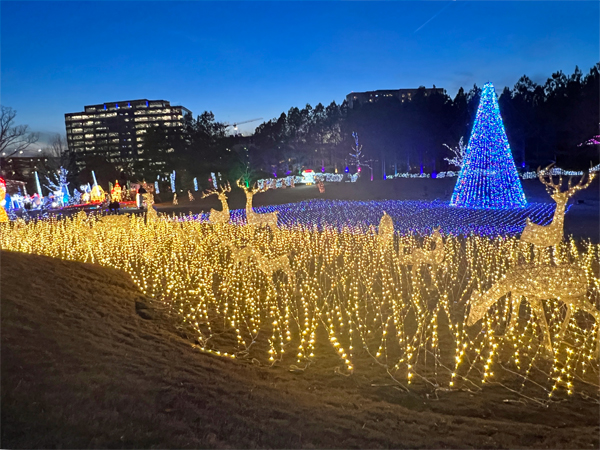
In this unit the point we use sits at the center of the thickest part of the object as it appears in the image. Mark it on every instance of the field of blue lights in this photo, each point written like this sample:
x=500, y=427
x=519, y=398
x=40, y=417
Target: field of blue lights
x=417, y=217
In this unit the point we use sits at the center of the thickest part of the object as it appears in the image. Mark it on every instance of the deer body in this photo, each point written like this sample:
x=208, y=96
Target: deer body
x=266, y=265
x=421, y=256
x=256, y=219
x=215, y=216
x=550, y=235
x=566, y=282
x=385, y=234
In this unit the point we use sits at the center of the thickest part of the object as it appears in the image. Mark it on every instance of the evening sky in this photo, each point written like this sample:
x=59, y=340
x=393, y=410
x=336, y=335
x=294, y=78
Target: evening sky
x=247, y=60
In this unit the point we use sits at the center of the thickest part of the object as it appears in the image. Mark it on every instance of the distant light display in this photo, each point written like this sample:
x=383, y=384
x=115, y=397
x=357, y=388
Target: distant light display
x=3, y=215
x=488, y=178
x=173, y=181
x=156, y=189
x=196, y=184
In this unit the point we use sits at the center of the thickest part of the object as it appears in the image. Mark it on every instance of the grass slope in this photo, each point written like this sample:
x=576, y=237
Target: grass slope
x=82, y=368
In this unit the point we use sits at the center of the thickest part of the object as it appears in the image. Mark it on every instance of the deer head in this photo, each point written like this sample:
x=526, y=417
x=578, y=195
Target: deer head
x=220, y=193
x=249, y=191
x=555, y=189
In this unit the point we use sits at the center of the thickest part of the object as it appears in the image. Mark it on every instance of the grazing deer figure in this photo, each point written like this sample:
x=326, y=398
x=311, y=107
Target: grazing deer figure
x=385, y=234
x=268, y=266
x=219, y=216
x=550, y=235
x=269, y=219
x=421, y=256
x=240, y=254
x=567, y=282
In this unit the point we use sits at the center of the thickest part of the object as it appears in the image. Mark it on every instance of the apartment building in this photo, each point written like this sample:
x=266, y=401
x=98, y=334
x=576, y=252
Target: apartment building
x=116, y=130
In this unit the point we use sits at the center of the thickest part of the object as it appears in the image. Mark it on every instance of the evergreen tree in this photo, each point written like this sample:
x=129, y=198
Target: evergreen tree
x=488, y=178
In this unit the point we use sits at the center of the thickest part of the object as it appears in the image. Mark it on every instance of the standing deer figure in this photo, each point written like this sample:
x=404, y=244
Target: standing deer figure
x=269, y=219
x=219, y=216
x=550, y=235
x=566, y=282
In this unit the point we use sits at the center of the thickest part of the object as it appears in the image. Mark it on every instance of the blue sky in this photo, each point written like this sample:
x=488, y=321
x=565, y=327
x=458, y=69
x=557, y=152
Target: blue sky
x=245, y=60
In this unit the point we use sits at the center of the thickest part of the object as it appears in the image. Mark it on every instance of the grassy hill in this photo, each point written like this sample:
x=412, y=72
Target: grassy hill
x=87, y=361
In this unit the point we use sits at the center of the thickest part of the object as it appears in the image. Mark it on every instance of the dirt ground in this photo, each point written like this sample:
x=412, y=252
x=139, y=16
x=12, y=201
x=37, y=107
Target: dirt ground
x=87, y=361
x=582, y=220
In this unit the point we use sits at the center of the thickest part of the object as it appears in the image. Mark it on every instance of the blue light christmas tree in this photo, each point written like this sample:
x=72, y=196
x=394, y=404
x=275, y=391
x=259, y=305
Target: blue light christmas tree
x=488, y=178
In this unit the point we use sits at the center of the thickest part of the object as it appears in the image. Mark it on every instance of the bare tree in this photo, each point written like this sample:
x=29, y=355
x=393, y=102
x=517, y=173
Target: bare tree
x=13, y=138
x=58, y=146
x=459, y=151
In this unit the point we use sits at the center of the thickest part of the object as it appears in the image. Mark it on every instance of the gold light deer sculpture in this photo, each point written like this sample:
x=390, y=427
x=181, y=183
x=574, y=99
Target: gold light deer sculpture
x=567, y=282
x=422, y=256
x=385, y=234
x=256, y=219
x=550, y=235
x=268, y=266
x=219, y=216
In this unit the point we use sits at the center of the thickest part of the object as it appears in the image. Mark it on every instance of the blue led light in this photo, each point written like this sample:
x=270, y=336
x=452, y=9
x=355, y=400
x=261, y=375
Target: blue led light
x=409, y=216
x=488, y=178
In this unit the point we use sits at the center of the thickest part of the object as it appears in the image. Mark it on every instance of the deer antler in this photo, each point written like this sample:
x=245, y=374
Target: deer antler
x=208, y=193
x=550, y=182
x=579, y=186
x=226, y=188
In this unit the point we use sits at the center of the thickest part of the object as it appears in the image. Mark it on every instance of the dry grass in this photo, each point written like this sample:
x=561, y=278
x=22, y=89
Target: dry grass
x=82, y=368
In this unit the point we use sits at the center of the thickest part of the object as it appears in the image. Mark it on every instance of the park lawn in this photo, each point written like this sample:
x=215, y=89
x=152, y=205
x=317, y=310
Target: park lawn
x=88, y=361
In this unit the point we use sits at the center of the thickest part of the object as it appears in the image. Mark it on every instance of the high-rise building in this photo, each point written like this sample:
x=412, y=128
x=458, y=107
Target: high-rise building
x=116, y=130
x=404, y=95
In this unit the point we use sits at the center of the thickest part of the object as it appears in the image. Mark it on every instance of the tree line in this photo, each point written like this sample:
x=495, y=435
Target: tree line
x=544, y=123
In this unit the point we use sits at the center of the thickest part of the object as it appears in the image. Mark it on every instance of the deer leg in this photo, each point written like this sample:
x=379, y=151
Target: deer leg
x=536, y=305
x=585, y=306
x=565, y=323
x=514, y=312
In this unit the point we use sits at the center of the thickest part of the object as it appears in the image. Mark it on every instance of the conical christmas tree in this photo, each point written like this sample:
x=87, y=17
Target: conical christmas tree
x=488, y=178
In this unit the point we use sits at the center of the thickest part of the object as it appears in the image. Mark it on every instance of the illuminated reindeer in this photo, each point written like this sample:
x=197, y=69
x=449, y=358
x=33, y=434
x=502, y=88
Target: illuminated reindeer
x=550, y=235
x=385, y=234
x=567, y=282
x=219, y=216
x=420, y=256
x=252, y=218
x=268, y=266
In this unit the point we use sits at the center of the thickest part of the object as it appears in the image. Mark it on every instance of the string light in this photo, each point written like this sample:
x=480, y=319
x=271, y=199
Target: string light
x=488, y=178
x=270, y=296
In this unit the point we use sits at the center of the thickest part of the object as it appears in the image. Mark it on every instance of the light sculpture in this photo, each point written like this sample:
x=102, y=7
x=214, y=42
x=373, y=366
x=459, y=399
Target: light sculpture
x=219, y=216
x=3, y=215
x=385, y=233
x=255, y=219
x=97, y=194
x=172, y=176
x=550, y=235
x=115, y=193
x=567, y=282
x=37, y=184
x=488, y=178
x=149, y=201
